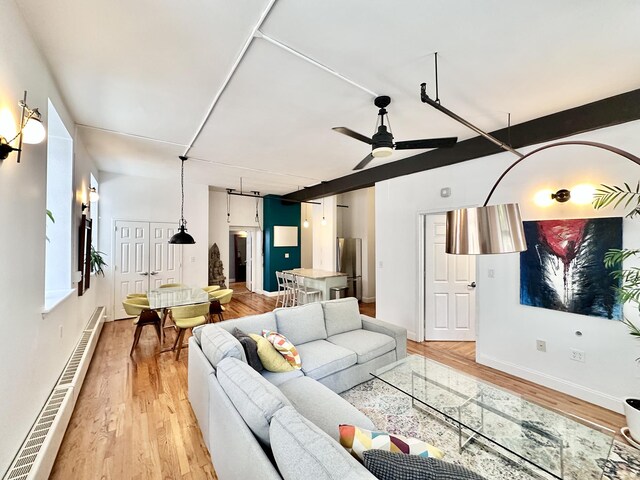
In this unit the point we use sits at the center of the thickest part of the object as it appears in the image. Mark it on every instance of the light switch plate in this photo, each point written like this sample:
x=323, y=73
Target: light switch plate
x=286, y=255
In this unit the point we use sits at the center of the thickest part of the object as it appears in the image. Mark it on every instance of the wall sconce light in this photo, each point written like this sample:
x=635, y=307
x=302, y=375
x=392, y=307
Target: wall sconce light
x=580, y=195
x=93, y=195
x=31, y=131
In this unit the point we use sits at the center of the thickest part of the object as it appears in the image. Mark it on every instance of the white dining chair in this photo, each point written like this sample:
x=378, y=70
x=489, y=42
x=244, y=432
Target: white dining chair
x=306, y=294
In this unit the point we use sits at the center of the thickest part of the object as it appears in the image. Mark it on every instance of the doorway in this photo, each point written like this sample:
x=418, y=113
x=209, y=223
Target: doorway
x=144, y=259
x=448, y=290
x=245, y=255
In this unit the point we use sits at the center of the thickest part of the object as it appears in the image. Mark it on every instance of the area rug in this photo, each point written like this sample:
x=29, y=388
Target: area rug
x=391, y=410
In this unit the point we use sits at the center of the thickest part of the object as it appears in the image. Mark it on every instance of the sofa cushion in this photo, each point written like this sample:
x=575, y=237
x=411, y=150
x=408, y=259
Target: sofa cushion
x=269, y=356
x=322, y=358
x=251, y=324
x=367, y=345
x=394, y=466
x=358, y=440
x=342, y=315
x=218, y=344
x=303, y=451
x=278, y=378
x=301, y=324
x=254, y=397
x=250, y=349
x=284, y=347
x=306, y=394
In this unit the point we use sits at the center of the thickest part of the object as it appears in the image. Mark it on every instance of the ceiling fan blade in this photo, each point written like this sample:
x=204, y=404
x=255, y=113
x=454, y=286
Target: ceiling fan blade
x=365, y=161
x=350, y=133
x=446, y=142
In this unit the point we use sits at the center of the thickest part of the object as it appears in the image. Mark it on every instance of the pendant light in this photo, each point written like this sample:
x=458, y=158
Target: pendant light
x=324, y=220
x=305, y=224
x=182, y=237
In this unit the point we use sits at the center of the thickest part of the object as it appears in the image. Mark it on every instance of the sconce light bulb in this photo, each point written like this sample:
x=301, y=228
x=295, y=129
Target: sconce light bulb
x=582, y=194
x=305, y=224
x=93, y=195
x=543, y=198
x=324, y=221
x=33, y=132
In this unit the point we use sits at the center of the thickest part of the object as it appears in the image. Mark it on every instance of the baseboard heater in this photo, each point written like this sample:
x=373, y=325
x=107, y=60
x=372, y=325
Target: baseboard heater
x=37, y=454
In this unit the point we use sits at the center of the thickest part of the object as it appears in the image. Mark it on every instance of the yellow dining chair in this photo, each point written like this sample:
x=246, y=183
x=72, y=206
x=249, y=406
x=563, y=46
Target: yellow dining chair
x=139, y=307
x=171, y=285
x=211, y=288
x=137, y=295
x=185, y=317
x=217, y=299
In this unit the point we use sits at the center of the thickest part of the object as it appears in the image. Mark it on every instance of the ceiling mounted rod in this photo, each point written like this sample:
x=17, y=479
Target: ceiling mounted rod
x=306, y=58
x=235, y=66
x=425, y=99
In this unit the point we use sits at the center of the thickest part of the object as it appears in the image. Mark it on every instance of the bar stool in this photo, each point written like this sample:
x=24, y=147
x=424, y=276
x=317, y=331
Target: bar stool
x=186, y=317
x=306, y=294
x=291, y=288
x=282, y=290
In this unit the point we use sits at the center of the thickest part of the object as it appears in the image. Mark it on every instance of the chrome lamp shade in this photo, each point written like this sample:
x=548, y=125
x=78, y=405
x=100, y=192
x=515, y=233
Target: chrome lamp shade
x=485, y=230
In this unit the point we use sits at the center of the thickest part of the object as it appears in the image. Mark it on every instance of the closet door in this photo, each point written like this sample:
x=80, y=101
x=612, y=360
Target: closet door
x=165, y=259
x=131, y=265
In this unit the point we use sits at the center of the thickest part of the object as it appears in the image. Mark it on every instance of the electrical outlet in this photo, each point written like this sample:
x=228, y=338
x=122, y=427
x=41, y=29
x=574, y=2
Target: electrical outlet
x=491, y=273
x=541, y=345
x=193, y=259
x=576, y=355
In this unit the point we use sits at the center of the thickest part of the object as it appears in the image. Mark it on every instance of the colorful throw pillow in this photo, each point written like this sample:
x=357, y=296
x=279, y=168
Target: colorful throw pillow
x=285, y=347
x=358, y=440
x=392, y=466
x=250, y=347
x=269, y=356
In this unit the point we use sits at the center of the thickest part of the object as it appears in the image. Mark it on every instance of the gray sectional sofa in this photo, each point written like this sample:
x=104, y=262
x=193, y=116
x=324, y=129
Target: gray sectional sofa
x=285, y=425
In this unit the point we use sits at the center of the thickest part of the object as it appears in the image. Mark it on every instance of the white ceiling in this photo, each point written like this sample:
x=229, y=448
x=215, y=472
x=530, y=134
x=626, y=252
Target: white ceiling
x=151, y=68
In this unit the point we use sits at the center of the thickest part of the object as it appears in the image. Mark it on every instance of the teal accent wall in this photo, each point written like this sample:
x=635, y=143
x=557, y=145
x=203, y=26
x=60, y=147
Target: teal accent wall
x=279, y=213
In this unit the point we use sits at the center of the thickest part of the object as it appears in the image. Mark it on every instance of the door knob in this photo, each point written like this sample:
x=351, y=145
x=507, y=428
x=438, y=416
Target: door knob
x=144, y=274
x=472, y=285
x=154, y=273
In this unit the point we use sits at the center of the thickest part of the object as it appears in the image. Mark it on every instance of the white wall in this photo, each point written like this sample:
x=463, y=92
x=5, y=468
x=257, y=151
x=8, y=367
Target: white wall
x=36, y=346
x=358, y=221
x=324, y=236
x=243, y=214
x=124, y=197
x=508, y=330
x=306, y=236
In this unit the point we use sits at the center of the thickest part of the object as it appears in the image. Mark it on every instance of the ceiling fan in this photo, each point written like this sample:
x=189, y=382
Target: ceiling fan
x=382, y=144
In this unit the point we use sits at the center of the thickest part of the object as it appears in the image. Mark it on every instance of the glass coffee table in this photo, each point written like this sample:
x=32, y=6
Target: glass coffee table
x=550, y=442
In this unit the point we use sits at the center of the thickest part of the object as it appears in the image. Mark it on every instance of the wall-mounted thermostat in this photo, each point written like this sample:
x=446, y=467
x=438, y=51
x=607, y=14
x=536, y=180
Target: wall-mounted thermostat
x=445, y=192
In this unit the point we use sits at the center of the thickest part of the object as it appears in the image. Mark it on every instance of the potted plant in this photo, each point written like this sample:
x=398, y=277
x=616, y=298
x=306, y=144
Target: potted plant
x=97, y=262
x=629, y=289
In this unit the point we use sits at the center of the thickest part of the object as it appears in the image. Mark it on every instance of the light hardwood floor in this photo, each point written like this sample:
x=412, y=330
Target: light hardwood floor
x=133, y=419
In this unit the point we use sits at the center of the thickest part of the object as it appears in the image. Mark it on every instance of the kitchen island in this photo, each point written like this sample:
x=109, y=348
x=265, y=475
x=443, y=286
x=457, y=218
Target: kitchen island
x=322, y=280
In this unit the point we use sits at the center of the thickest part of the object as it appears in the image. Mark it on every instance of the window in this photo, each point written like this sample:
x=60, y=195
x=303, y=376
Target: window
x=58, y=281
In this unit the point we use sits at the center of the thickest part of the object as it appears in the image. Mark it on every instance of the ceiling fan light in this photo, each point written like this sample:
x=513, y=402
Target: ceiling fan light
x=382, y=152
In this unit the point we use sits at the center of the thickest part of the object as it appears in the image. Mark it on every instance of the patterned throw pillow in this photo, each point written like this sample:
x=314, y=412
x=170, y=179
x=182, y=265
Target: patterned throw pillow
x=284, y=346
x=358, y=440
x=396, y=466
x=269, y=356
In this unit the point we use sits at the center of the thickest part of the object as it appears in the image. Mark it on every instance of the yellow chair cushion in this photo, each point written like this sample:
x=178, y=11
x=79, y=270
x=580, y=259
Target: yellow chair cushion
x=269, y=356
x=190, y=322
x=211, y=288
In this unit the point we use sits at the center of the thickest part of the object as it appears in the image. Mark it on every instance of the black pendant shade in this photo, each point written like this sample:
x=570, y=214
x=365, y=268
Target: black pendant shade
x=182, y=237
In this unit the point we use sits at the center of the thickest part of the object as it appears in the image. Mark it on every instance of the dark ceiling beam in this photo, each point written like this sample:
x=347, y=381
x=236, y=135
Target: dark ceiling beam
x=592, y=116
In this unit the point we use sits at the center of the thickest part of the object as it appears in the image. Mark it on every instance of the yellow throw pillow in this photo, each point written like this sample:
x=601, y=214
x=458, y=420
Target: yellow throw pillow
x=269, y=356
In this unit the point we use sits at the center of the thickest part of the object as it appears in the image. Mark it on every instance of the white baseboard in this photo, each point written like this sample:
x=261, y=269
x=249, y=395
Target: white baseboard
x=368, y=299
x=588, y=394
x=412, y=336
x=268, y=294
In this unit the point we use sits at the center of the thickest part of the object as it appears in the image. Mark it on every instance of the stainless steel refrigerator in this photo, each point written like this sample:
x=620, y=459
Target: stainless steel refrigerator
x=349, y=261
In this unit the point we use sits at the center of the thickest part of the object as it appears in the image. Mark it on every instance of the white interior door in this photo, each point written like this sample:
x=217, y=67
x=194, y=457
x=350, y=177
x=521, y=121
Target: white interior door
x=131, y=270
x=249, y=263
x=165, y=259
x=450, y=299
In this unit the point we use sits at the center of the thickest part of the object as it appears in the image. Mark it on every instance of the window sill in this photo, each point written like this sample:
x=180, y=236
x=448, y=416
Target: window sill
x=54, y=298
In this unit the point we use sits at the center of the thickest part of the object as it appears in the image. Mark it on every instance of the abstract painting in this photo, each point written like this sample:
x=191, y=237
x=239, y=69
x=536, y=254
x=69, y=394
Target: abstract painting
x=562, y=268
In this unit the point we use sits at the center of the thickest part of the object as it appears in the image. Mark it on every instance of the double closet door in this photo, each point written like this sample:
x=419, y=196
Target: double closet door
x=144, y=259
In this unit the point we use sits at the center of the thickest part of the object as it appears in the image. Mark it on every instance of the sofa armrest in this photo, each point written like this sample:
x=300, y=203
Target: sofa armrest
x=399, y=333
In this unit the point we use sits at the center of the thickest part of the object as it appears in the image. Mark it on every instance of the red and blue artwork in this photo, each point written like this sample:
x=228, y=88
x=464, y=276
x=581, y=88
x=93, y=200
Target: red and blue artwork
x=563, y=269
